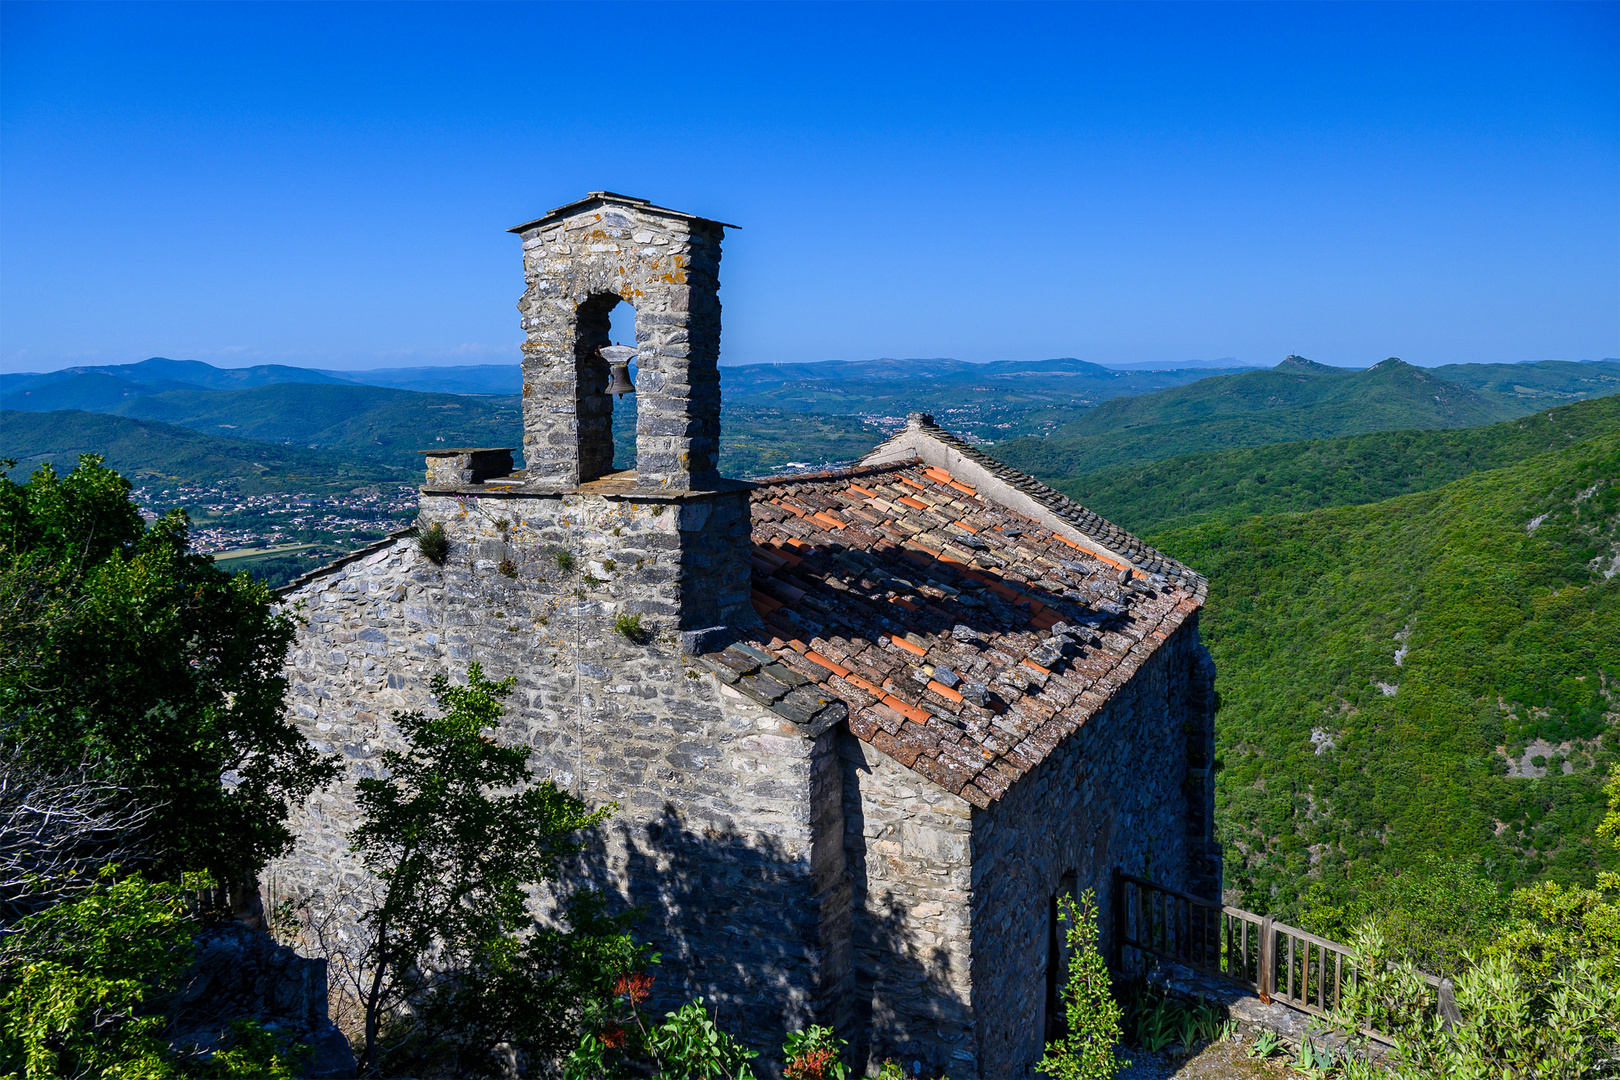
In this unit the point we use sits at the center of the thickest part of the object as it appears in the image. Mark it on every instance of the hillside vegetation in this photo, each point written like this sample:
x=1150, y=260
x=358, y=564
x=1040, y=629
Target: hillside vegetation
x=1384, y=667
x=388, y=426
x=1311, y=475
x=144, y=450
x=1298, y=399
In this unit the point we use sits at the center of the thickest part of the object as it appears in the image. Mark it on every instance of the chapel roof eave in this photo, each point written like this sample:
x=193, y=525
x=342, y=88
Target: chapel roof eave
x=642, y=205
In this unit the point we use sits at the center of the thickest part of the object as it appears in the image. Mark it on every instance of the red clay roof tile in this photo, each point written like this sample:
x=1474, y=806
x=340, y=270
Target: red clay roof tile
x=877, y=566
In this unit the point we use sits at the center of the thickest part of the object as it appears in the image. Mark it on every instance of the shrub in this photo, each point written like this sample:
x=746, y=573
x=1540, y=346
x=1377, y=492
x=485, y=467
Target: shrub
x=688, y=1045
x=434, y=543
x=565, y=560
x=80, y=984
x=508, y=567
x=1514, y=1024
x=1086, y=1050
x=814, y=1054
x=629, y=626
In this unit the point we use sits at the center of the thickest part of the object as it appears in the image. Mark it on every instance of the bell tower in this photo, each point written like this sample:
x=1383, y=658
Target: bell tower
x=581, y=261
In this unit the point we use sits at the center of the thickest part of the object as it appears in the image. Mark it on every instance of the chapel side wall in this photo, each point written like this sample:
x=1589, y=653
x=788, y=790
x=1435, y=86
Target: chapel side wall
x=725, y=823
x=1111, y=795
x=907, y=843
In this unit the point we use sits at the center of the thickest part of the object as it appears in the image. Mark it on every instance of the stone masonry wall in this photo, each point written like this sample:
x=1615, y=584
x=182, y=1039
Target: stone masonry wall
x=579, y=265
x=1114, y=795
x=952, y=903
x=908, y=842
x=729, y=819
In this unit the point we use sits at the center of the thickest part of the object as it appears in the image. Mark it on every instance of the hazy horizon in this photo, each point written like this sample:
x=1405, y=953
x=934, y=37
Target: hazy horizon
x=1223, y=362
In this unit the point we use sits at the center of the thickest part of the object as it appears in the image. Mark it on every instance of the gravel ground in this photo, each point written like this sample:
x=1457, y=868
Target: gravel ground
x=1217, y=1061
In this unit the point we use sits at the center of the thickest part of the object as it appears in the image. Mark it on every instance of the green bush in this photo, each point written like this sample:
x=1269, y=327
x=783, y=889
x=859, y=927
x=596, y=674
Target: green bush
x=1092, y=1016
x=82, y=987
x=814, y=1053
x=688, y=1045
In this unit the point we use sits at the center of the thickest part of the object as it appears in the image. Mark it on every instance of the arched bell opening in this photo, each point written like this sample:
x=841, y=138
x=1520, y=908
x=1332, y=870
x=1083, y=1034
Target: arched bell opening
x=623, y=332
x=604, y=432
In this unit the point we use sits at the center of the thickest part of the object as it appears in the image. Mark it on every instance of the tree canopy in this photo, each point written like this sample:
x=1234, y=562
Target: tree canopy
x=131, y=656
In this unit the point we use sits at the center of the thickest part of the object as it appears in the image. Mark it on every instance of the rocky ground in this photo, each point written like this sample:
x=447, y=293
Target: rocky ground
x=1217, y=1061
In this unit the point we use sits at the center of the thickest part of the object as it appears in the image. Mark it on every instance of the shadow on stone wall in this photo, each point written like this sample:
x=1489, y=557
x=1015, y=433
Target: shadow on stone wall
x=904, y=1005
x=734, y=919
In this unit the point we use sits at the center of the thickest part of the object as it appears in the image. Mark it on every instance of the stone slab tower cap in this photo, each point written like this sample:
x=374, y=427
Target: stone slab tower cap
x=581, y=261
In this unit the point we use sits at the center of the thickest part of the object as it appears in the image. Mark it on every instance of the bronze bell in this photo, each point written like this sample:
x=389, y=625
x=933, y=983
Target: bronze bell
x=618, y=358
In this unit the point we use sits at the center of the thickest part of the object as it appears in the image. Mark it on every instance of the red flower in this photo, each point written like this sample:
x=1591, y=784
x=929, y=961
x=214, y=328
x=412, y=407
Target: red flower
x=636, y=985
x=811, y=1065
x=613, y=1037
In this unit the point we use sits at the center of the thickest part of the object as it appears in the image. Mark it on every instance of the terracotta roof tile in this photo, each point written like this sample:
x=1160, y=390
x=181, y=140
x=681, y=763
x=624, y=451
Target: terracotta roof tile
x=961, y=638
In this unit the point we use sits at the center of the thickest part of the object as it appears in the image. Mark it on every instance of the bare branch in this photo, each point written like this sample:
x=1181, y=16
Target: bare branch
x=56, y=829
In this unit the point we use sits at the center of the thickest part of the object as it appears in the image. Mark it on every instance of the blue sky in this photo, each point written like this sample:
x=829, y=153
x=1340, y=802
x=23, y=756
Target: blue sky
x=330, y=185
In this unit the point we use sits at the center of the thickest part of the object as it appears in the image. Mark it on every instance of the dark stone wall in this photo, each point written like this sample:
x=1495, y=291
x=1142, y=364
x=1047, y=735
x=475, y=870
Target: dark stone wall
x=1122, y=792
x=729, y=827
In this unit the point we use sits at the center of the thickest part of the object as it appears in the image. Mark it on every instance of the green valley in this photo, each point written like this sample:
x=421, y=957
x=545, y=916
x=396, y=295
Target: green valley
x=1431, y=674
x=148, y=451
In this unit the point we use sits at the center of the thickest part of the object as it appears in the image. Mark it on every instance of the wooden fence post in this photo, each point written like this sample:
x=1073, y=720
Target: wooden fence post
x=1450, y=1015
x=1120, y=920
x=1268, y=959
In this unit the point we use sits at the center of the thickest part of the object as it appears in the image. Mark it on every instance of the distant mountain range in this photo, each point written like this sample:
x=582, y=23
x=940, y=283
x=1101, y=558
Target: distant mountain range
x=1300, y=399
x=101, y=388
x=1096, y=417
x=144, y=450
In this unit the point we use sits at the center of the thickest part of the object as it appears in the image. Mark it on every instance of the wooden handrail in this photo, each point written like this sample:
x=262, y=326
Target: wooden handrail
x=1165, y=931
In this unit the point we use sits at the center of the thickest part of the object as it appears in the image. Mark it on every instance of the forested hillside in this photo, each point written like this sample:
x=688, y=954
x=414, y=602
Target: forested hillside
x=143, y=450
x=1298, y=399
x=1383, y=668
x=389, y=426
x=1329, y=472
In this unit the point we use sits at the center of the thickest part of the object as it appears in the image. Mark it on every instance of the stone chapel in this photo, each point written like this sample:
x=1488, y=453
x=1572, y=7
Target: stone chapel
x=874, y=723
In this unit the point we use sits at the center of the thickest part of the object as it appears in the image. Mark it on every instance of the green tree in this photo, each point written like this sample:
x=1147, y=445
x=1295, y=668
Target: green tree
x=1435, y=913
x=1092, y=1016
x=137, y=659
x=459, y=836
x=82, y=986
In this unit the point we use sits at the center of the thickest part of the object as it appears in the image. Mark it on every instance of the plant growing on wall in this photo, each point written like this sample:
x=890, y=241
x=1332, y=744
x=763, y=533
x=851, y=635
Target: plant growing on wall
x=1086, y=1050
x=434, y=543
x=629, y=627
x=458, y=837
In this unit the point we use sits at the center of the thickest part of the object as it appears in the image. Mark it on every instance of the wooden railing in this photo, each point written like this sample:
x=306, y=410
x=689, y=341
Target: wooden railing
x=1277, y=961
